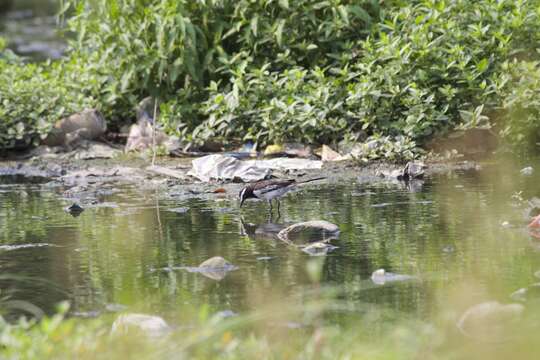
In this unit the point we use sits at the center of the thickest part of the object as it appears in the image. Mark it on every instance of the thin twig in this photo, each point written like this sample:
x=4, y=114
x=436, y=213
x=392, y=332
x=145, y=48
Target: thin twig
x=154, y=132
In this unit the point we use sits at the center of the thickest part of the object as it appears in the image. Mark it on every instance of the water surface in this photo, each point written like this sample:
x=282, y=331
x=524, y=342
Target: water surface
x=446, y=231
x=30, y=28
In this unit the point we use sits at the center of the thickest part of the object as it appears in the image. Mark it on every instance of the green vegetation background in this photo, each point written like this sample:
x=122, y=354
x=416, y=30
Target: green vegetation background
x=270, y=71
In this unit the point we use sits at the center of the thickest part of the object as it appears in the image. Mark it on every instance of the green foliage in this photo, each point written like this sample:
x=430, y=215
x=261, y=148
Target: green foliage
x=273, y=71
x=32, y=98
x=521, y=106
x=425, y=67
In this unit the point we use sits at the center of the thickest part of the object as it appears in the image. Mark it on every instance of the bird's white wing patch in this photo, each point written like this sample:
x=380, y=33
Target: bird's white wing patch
x=271, y=192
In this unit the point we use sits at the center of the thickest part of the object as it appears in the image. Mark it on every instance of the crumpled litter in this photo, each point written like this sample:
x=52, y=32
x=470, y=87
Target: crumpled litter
x=220, y=167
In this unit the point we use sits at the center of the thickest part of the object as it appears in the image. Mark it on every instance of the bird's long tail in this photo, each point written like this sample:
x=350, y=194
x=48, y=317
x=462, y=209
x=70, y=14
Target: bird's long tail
x=310, y=180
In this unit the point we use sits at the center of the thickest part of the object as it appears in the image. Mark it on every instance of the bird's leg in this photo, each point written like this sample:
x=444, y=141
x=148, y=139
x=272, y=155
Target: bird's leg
x=270, y=210
x=278, y=212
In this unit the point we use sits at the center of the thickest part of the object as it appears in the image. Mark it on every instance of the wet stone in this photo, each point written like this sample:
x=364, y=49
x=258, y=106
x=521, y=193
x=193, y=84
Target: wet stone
x=152, y=326
x=74, y=210
x=491, y=321
x=381, y=276
x=309, y=231
x=215, y=268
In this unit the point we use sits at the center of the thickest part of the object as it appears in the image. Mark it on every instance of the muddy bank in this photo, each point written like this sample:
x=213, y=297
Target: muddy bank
x=86, y=181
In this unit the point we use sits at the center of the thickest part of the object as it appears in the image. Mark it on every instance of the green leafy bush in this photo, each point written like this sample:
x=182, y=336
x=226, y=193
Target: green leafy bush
x=271, y=71
x=520, y=110
x=424, y=67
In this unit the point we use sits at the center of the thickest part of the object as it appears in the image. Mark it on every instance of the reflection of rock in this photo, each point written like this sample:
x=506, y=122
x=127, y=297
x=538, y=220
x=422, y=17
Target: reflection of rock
x=381, y=276
x=490, y=321
x=318, y=248
x=261, y=231
x=215, y=268
x=309, y=231
x=152, y=326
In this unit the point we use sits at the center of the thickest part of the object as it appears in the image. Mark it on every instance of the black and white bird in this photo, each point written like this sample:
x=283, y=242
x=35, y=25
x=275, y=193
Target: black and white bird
x=269, y=190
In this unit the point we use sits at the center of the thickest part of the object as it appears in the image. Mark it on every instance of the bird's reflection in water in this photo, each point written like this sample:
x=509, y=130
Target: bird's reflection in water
x=266, y=231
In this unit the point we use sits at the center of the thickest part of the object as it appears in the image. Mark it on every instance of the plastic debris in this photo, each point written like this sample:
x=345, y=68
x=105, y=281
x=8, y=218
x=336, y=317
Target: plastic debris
x=220, y=167
x=287, y=164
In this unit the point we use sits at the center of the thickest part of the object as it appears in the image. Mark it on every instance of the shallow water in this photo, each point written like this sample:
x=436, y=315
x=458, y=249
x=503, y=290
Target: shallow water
x=128, y=251
x=30, y=28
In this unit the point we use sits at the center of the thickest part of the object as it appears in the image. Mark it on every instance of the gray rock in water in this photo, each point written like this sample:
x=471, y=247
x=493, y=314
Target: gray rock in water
x=309, y=231
x=527, y=171
x=413, y=170
x=491, y=321
x=531, y=292
x=216, y=262
x=74, y=210
x=152, y=326
x=215, y=268
x=381, y=276
x=519, y=295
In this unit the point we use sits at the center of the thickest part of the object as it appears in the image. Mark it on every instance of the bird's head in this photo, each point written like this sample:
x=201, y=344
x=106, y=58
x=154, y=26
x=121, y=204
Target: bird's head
x=243, y=195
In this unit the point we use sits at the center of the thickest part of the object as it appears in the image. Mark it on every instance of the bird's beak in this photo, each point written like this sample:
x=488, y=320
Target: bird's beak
x=242, y=202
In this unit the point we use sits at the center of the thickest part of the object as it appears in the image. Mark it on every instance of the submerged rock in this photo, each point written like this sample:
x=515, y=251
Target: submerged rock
x=412, y=171
x=381, y=276
x=318, y=249
x=527, y=171
x=309, y=231
x=152, y=326
x=24, y=246
x=74, y=210
x=491, y=321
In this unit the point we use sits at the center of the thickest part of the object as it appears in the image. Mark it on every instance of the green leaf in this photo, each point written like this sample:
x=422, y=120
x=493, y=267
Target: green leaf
x=279, y=32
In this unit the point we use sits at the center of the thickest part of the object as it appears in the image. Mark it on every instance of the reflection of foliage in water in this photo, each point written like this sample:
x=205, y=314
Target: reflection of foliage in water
x=114, y=255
